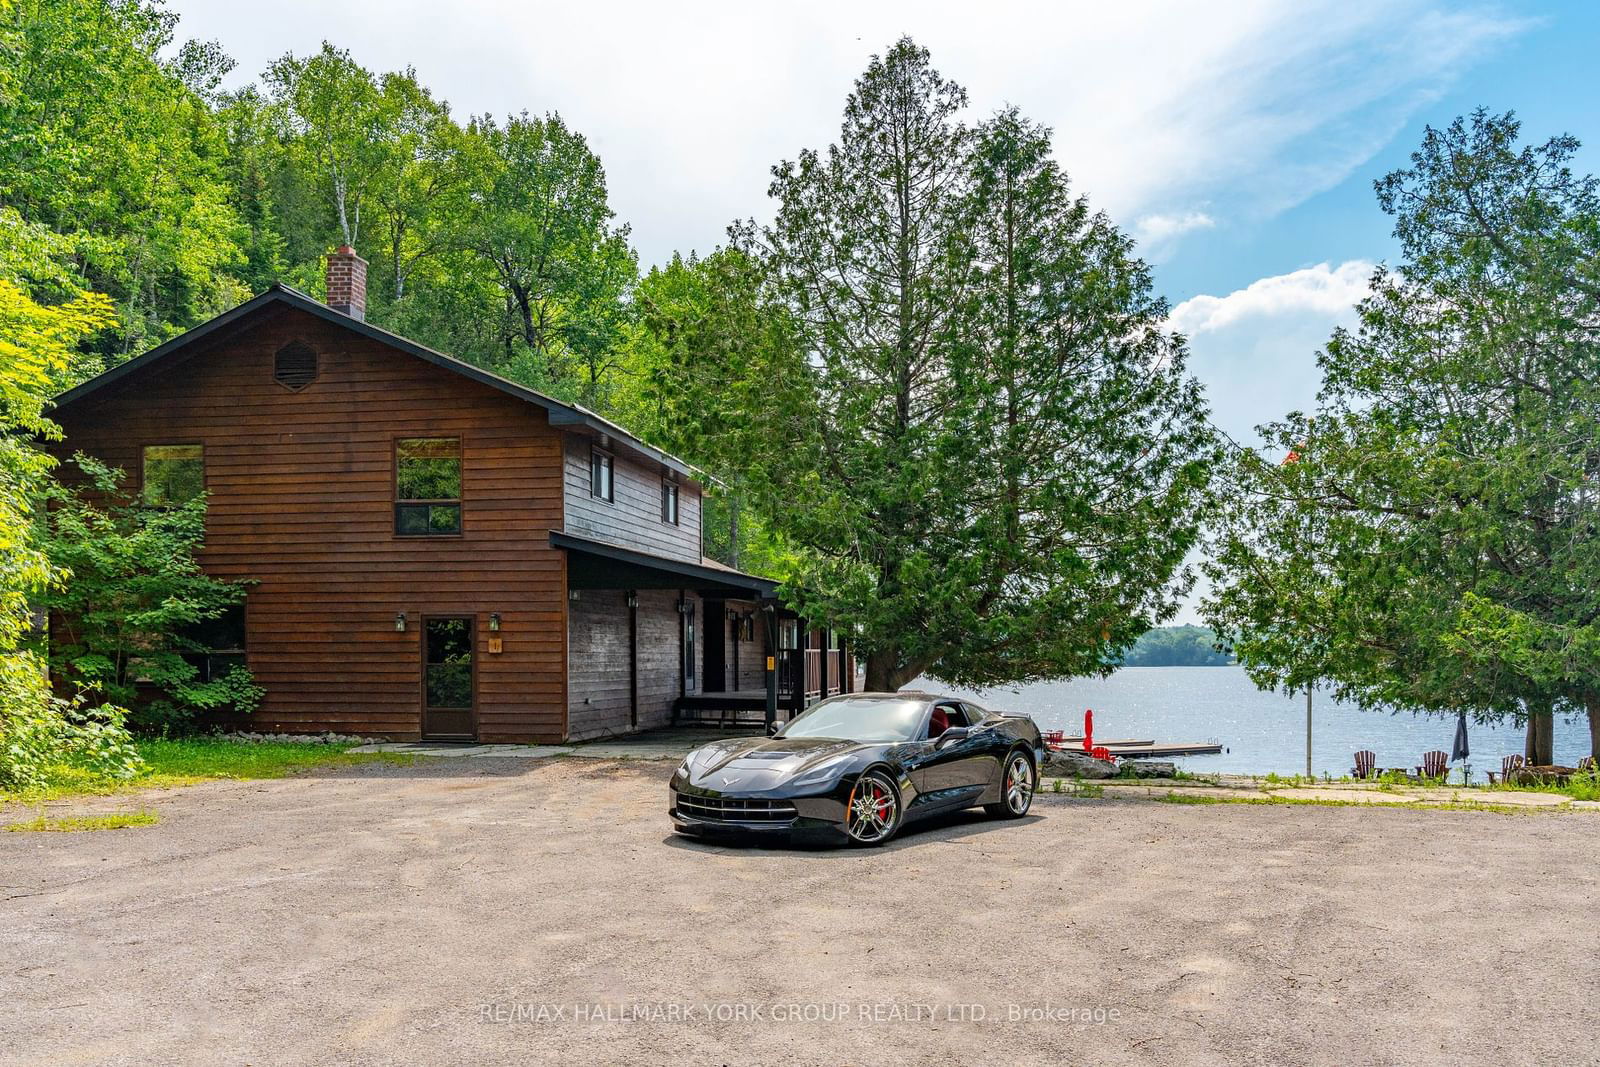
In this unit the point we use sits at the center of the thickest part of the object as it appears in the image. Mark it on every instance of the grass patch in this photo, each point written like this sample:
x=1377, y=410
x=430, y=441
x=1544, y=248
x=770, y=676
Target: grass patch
x=1578, y=787
x=187, y=761
x=1077, y=787
x=74, y=823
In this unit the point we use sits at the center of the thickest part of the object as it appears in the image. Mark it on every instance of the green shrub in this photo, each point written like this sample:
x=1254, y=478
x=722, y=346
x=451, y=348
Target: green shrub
x=129, y=617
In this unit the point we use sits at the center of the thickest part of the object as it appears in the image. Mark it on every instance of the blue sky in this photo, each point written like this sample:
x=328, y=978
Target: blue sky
x=1536, y=59
x=1237, y=140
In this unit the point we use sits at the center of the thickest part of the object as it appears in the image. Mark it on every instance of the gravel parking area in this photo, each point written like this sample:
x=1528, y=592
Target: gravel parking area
x=507, y=911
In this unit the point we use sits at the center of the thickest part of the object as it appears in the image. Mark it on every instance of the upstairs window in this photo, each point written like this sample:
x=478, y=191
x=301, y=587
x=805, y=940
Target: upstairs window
x=669, y=502
x=427, y=496
x=173, y=474
x=600, y=476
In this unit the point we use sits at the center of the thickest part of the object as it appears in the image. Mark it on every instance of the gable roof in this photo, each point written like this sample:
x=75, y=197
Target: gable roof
x=561, y=414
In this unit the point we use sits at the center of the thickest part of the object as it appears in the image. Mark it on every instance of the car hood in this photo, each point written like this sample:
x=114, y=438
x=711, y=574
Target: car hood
x=744, y=764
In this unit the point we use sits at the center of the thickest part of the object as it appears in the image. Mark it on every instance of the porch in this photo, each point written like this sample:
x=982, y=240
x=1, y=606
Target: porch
x=654, y=642
x=807, y=665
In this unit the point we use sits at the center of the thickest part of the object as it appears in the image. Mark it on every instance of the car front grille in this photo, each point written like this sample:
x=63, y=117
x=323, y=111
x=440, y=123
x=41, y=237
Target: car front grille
x=733, y=809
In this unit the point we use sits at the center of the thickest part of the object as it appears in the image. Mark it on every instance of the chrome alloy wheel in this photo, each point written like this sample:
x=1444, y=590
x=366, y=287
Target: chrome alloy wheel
x=872, y=811
x=1019, y=784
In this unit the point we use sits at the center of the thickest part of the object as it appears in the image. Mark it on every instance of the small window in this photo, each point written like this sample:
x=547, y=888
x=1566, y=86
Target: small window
x=669, y=502
x=427, y=486
x=216, y=646
x=788, y=635
x=689, y=656
x=295, y=365
x=173, y=474
x=600, y=476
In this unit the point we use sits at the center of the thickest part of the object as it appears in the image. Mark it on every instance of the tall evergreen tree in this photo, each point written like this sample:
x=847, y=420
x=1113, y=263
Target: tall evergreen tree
x=1434, y=545
x=983, y=443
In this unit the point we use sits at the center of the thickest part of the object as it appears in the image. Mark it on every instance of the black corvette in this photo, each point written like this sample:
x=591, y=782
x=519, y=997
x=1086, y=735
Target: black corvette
x=858, y=767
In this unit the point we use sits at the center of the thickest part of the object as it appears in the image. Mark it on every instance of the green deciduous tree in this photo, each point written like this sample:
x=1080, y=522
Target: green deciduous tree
x=334, y=127
x=105, y=143
x=37, y=347
x=1433, y=543
x=126, y=621
x=564, y=268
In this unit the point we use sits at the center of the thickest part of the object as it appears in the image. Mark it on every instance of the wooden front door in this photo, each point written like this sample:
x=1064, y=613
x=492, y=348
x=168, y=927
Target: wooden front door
x=449, y=679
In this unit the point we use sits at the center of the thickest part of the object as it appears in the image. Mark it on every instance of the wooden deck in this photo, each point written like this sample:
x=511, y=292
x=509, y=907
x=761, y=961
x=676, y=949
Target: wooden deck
x=735, y=707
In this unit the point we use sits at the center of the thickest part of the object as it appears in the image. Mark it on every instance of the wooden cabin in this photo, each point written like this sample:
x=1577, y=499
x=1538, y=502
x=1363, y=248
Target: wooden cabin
x=436, y=552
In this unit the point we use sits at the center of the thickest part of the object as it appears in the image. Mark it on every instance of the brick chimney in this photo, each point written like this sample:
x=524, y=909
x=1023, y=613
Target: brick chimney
x=347, y=282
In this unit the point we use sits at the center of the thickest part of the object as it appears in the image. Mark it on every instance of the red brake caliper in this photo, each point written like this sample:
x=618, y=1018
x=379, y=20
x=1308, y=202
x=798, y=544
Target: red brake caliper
x=883, y=801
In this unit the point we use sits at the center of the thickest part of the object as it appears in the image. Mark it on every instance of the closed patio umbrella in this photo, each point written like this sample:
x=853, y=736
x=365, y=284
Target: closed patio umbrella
x=1459, y=750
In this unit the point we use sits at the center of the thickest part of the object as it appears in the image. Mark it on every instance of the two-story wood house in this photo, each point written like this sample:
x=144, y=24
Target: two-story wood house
x=435, y=552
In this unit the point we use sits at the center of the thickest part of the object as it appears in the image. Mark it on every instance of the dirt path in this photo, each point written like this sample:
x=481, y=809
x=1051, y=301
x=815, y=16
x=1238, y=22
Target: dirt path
x=489, y=911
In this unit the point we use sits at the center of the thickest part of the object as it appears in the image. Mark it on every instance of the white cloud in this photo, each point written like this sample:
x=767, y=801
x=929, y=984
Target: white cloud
x=1255, y=349
x=1157, y=104
x=1156, y=233
x=1324, y=291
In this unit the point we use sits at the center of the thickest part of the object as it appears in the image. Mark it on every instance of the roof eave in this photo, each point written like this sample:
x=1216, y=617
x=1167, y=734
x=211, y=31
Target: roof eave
x=560, y=414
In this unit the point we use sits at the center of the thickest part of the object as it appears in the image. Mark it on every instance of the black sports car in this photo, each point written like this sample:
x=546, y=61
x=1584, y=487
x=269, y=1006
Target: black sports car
x=858, y=767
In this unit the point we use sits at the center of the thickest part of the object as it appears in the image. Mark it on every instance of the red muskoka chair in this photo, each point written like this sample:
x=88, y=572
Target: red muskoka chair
x=1434, y=765
x=1366, y=764
x=1507, y=765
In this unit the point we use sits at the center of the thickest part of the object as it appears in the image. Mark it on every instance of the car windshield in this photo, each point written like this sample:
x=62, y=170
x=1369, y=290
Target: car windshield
x=860, y=720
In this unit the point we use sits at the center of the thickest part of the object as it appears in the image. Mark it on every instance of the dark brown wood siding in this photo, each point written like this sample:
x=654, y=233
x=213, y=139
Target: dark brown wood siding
x=301, y=502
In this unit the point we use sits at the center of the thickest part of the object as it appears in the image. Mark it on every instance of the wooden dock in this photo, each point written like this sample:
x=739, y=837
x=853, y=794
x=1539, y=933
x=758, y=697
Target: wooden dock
x=1174, y=748
x=1142, y=747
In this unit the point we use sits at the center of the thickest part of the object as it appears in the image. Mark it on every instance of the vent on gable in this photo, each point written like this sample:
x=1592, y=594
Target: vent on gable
x=295, y=366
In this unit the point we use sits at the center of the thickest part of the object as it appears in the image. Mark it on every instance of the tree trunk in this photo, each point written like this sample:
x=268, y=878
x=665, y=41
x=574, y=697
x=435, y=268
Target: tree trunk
x=1594, y=727
x=1540, y=747
x=886, y=674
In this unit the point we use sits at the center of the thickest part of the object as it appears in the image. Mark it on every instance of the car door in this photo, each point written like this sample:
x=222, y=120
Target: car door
x=969, y=764
x=923, y=762
x=943, y=773
x=986, y=747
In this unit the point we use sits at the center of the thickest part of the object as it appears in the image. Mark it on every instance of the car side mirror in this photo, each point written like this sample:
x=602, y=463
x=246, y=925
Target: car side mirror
x=953, y=734
x=773, y=728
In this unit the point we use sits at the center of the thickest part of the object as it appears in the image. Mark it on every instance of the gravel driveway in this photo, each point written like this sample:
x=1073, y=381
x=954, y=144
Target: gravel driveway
x=489, y=911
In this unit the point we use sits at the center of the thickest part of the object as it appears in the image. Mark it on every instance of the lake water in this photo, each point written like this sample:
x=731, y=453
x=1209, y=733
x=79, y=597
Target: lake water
x=1262, y=731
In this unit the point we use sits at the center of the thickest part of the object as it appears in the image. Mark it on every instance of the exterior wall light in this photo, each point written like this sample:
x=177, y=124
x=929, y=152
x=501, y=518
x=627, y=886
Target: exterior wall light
x=633, y=599
x=400, y=623
x=494, y=622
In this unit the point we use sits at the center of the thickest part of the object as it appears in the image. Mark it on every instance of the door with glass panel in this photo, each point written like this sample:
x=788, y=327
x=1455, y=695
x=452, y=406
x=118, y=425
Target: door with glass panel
x=449, y=686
